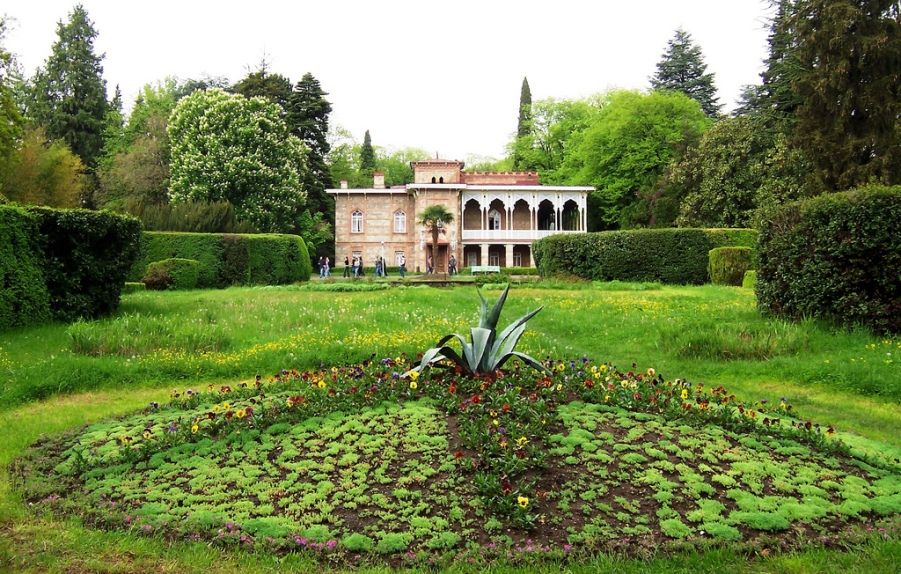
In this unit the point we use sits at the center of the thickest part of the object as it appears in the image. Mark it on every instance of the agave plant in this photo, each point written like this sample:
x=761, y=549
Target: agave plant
x=487, y=351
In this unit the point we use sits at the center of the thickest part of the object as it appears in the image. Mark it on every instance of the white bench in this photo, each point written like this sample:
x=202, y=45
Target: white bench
x=485, y=269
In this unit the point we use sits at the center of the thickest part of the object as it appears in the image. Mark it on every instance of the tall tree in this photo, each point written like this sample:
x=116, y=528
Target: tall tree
x=10, y=118
x=69, y=92
x=682, y=68
x=849, y=86
x=524, y=122
x=778, y=98
x=367, y=156
x=42, y=172
x=228, y=147
x=274, y=87
x=307, y=118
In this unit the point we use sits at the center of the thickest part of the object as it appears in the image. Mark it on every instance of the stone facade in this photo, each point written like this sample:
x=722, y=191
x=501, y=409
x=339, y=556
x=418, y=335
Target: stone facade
x=497, y=216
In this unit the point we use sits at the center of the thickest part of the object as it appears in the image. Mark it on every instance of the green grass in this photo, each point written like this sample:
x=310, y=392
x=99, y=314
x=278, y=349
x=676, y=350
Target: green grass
x=706, y=334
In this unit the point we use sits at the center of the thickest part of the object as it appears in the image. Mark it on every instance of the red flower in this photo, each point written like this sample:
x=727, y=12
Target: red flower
x=452, y=389
x=458, y=455
x=506, y=407
x=506, y=487
x=475, y=399
x=589, y=383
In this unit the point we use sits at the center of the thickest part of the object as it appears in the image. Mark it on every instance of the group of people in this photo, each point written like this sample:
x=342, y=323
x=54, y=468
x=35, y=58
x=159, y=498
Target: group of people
x=354, y=267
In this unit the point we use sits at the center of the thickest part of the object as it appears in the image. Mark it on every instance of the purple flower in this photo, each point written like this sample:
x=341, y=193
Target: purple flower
x=331, y=544
x=567, y=547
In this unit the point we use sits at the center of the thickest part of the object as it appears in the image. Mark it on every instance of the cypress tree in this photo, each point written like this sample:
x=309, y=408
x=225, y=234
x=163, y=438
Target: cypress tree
x=10, y=118
x=682, y=68
x=523, y=126
x=367, y=156
x=307, y=118
x=274, y=87
x=69, y=92
x=777, y=96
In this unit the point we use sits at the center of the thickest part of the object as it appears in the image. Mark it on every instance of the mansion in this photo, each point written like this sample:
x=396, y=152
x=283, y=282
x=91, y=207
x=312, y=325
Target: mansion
x=497, y=216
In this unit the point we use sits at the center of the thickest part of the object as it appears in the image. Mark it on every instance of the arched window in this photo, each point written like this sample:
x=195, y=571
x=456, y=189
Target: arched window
x=433, y=180
x=356, y=222
x=441, y=179
x=400, y=222
x=494, y=219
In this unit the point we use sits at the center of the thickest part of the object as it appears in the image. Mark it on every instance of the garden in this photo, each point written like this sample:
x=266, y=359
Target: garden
x=649, y=427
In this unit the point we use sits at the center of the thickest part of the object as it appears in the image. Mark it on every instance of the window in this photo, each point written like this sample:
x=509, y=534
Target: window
x=494, y=219
x=494, y=259
x=517, y=260
x=400, y=222
x=441, y=180
x=356, y=222
x=433, y=180
x=398, y=257
x=472, y=259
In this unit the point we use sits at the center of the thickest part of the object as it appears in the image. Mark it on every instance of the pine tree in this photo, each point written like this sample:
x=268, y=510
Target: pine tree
x=307, y=118
x=69, y=92
x=10, y=118
x=367, y=156
x=682, y=69
x=777, y=97
x=849, y=88
x=274, y=87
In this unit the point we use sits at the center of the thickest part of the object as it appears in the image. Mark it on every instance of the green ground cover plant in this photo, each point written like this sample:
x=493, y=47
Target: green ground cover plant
x=250, y=326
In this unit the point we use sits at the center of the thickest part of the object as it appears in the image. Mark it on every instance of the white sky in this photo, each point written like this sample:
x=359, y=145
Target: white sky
x=442, y=76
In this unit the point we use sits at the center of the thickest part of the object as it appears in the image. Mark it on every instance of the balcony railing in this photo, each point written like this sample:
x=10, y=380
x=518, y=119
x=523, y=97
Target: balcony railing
x=500, y=235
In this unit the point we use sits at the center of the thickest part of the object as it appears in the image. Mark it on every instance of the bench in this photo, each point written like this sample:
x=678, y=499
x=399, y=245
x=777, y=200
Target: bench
x=485, y=269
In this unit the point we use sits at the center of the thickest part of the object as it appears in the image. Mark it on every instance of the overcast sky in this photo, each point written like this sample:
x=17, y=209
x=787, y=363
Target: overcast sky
x=442, y=76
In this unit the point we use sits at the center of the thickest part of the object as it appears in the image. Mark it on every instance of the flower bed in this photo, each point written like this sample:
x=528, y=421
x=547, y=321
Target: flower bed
x=362, y=459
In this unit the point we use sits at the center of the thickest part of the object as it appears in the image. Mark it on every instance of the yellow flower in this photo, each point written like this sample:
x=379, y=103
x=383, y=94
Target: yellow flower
x=413, y=385
x=559, y=387
x=240, y=413
x=522, y=440
x=624, y=383
x=561, y=367
x=495, y=422
x=321, y=384
x=684, y=394
x=226, y=406
x=523, y=501
x=194, y=428
x=606, y=398
x=651, y=372
x=414, y=375
x=604, y=368
x=147, y=435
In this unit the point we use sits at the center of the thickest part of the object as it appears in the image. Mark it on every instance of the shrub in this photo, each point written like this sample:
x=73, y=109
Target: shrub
x=727, y=265
x=229, y=259
x=23, y=297
x=664, y=255
x=749, y=281
x=172, y=273
x=87, y=257
x=835, y=256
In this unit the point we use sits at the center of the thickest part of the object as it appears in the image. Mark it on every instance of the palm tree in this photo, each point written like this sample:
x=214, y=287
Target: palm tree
x=434, y=217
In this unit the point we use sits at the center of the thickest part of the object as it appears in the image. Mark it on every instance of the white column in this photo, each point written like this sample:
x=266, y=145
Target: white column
x=531, y=257
x=484, y=260
x=508, y=256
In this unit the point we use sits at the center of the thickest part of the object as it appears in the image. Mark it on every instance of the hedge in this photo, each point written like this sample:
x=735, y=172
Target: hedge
x=88, y=254
x=666, y=255
x=62, y=263
x=172, y=273
x=749, y=281
x=229, y=259
x=836, y=256
x=727, y=265
x=23, y=292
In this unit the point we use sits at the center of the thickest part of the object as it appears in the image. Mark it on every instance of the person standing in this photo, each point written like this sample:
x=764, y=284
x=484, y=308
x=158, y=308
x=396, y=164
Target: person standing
x=428, y=265
x=402, y=266
x=452, y=265
x=346, y=266
x=321, y=266
x=327, y=266
x=356, y=267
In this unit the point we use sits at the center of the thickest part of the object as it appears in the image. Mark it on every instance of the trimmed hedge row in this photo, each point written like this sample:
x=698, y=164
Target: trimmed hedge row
x=229, y=259
x=666, y=255
x=62, y=263
x=23, y=292
x=836, y=256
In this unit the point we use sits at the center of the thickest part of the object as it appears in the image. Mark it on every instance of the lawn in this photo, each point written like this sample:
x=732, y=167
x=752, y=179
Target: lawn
x=58, y=377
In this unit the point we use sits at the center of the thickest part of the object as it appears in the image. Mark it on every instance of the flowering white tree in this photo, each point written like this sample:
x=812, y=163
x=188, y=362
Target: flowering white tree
x=228, y=147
